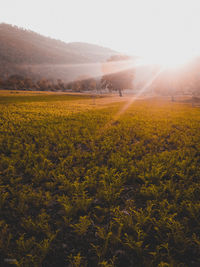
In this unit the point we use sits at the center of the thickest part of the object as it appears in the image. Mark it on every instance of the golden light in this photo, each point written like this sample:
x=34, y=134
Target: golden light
x=169, y=33
x=168, y=60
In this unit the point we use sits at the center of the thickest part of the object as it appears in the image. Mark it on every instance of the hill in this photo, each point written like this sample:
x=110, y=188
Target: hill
x=26, y=52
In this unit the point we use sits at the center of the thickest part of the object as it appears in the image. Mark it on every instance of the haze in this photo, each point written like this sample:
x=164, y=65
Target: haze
x=154, y=29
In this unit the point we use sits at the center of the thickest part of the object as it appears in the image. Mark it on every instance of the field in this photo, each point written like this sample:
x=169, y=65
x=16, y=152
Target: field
x=84, y=184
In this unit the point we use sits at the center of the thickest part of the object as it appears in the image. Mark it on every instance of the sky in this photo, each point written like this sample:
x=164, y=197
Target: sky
x=154, y=28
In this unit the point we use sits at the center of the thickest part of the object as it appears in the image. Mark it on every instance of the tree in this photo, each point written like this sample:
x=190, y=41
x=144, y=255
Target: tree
x=15, y=81
x=118, y=81
x=1, y=82
x=42, y=84
x=28, y=83
x=118, y=73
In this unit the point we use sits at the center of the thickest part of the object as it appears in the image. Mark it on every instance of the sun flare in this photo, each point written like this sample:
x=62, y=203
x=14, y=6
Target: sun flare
x=168, y=34
x=167, y=60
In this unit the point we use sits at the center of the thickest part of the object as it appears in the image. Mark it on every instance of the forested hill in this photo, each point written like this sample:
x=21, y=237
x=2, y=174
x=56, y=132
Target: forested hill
x=20, y=46
x=30, y=54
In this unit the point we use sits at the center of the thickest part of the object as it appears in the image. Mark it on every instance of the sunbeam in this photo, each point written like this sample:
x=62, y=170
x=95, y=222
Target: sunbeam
x=135, y=97
x=130, y=101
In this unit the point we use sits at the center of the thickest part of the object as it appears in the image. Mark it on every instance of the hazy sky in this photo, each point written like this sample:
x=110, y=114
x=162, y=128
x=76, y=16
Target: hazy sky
x=135, y=26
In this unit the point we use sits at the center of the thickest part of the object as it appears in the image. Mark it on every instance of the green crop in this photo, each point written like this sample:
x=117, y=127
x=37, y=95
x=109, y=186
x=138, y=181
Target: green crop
x=80, y=186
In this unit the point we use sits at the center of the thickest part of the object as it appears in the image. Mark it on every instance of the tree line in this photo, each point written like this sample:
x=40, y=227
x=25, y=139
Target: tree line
x=115, y=78
x=19, y=82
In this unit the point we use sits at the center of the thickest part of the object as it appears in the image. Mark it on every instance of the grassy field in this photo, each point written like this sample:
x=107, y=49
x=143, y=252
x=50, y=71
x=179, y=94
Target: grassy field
x=84, y=184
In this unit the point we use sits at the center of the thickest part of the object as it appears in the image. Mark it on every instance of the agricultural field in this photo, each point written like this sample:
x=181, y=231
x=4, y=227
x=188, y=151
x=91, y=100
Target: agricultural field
x=98, y=182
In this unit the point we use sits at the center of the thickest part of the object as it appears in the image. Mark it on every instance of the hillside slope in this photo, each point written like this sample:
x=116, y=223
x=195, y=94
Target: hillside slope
x=22, y=50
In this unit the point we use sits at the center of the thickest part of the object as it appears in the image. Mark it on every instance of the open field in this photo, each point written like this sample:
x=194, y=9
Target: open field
x=98, y=182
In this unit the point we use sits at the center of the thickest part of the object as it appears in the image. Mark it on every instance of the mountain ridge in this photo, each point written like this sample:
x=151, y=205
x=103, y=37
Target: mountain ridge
x=20, y=47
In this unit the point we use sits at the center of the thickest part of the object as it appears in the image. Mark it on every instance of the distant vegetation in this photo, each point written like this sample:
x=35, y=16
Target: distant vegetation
x=80, y=187
x=185, y=79
x=18, y=82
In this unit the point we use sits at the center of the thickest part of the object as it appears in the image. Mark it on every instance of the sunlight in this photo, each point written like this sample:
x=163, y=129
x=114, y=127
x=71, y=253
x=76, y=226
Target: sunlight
x=168, y=34
x=170, y=60
x=130, y=101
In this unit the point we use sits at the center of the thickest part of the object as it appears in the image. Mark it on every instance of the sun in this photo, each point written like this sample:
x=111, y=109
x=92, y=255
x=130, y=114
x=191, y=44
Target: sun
x=167, y=59
x=173, y=62
x=168, y=33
